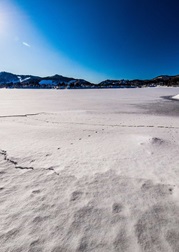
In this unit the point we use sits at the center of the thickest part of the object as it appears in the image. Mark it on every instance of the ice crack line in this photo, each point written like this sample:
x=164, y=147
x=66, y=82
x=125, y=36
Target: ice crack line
x=52, y=169
x=25, y=115
x=9, y=160
x=24, y=168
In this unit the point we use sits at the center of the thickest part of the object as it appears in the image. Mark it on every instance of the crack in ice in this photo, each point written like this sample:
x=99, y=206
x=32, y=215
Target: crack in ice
x=9, y=160
x=24, y=115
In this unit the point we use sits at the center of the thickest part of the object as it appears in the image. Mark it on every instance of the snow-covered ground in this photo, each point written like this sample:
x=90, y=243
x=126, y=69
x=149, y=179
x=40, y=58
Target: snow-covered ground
x=89, y=170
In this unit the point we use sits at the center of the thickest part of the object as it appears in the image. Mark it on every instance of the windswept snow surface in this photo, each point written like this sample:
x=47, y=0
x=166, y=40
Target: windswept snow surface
x=89, y=170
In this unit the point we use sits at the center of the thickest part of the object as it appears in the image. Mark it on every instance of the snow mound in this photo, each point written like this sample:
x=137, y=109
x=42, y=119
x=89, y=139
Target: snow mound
x=154, y=141
x=176, y=97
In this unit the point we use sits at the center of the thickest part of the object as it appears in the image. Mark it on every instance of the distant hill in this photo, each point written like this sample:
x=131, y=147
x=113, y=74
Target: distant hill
x=10, y=80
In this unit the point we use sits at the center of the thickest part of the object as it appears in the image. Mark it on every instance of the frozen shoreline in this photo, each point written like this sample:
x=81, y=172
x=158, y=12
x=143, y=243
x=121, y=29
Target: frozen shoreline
x=89, y=170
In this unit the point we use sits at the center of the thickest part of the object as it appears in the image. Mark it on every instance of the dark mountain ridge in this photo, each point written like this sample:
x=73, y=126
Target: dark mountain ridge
x=10, y=80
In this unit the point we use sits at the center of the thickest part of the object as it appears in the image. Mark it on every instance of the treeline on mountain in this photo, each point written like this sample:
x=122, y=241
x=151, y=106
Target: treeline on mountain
x=8, y=80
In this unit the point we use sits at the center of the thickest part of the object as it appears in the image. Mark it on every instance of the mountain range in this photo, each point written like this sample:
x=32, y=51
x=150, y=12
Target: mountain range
x=10, y=80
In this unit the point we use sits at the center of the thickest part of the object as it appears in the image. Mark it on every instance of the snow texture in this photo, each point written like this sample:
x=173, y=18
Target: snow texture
x=89, y=170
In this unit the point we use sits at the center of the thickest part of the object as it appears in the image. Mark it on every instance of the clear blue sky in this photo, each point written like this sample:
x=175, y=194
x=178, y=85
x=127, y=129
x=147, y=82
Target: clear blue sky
x=90, y=39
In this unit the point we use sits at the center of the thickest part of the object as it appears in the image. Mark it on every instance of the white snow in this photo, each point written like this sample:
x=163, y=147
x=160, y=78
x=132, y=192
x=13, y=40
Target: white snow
x=89, y=170
x=21, y=80
x=176, y=97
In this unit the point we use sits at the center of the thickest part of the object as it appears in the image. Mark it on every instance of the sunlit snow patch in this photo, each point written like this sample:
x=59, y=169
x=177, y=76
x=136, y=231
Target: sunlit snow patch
x=176, y=97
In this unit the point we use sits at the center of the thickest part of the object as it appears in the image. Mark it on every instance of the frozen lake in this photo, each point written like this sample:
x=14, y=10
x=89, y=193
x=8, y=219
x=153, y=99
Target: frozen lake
x=23, y=101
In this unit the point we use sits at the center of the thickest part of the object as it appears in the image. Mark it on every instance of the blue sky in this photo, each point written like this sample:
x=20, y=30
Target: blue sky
x=93, y=39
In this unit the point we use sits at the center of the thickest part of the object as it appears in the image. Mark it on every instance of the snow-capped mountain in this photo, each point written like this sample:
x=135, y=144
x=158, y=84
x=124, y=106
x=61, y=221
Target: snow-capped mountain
x=58, y=81
x=7, y=78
